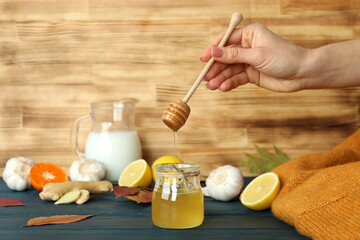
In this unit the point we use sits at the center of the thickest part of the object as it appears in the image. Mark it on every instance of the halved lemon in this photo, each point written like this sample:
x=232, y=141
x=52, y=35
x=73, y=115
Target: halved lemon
x=260, y=192
x=136, y=174
x=161, y=160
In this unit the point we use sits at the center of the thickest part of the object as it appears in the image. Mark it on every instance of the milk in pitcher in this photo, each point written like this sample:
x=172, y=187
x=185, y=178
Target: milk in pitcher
x=115, y=149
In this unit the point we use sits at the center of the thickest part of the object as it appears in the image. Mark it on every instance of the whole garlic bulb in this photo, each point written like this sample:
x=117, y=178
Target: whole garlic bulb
x=16, y=173
x=224, y=183
x=87, y=170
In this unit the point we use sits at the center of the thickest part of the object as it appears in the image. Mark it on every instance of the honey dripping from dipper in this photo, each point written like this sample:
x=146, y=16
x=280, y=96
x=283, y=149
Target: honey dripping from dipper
x=175, y=116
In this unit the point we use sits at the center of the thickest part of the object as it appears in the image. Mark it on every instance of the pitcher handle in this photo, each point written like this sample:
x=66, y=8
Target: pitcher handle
x=75, y=135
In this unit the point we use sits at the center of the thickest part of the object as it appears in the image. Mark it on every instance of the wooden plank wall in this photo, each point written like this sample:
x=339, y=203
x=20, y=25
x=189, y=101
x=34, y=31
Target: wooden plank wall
x=58, y=56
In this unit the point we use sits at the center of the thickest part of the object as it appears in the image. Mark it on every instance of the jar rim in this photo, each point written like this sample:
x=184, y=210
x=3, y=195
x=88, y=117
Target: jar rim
x=172, y=168
x=115, y=104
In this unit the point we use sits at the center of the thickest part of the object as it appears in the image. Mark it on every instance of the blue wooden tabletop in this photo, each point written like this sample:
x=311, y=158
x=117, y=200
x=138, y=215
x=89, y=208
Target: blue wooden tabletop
x=124, y=219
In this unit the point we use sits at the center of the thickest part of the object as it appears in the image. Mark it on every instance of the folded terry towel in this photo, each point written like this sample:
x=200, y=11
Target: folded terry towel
x=320, y=193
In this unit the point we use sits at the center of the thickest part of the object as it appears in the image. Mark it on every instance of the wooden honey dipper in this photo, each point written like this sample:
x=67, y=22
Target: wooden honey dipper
x=176, y=114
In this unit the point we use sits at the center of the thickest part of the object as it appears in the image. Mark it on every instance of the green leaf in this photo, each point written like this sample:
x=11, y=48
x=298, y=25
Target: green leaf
x=253, y=158
x=267, y=161
x=267, y=157
x=253, y=164
x=281, y=155
x=264, y=154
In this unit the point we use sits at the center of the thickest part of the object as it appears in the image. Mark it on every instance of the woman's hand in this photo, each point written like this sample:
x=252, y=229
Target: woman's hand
x=256, y=56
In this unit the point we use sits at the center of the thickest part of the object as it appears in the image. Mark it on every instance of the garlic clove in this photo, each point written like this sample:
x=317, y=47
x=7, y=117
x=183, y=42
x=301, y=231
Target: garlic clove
x=224, y=183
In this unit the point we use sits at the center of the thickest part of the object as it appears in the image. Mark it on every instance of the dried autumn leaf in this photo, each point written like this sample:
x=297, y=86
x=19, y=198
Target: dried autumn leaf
x=139, y=195
x=10, y=202
x=122, y=191
x=56, y=219
x=144, y=196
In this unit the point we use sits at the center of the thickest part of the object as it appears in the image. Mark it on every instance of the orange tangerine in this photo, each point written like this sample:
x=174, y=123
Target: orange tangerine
x=43, y=173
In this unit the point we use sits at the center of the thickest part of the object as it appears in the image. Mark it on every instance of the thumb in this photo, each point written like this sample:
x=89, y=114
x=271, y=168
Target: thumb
x=235, y=55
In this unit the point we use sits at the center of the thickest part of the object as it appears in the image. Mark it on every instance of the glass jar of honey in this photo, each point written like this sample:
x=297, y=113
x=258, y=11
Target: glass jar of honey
x=177, y=200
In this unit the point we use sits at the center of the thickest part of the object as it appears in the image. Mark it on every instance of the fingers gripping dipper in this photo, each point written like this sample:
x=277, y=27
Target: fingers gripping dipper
x=176, y=114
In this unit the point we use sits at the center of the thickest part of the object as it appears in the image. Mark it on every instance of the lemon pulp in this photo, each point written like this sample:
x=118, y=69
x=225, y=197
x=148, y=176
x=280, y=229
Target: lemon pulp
x=260, y=192
x=136, y=174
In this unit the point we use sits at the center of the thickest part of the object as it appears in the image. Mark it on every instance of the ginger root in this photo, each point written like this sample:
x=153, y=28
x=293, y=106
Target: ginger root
x=69, y=197
x=84, y=196
x=54, y=191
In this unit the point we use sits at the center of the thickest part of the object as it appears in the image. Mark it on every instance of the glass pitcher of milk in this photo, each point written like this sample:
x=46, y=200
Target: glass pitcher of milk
x=113, y=139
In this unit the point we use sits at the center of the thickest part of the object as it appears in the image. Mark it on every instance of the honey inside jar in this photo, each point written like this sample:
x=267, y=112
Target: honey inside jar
x=178, y=202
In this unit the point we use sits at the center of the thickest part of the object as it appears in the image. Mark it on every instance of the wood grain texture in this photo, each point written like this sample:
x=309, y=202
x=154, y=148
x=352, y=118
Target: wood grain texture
x=56, y=57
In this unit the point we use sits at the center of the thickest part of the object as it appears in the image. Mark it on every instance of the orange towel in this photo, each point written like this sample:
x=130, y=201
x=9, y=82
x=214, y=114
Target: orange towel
x=320, y=193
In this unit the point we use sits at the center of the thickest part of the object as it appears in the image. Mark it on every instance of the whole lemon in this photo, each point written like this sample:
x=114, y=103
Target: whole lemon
x=163, y=159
